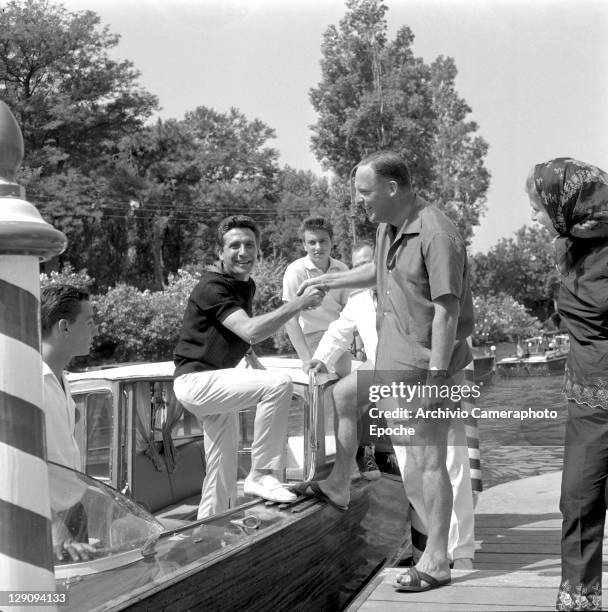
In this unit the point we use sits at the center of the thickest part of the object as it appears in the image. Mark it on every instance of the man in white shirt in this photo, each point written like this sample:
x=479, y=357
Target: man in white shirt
x=68, y=328
x=357, y=317
x=305, y=330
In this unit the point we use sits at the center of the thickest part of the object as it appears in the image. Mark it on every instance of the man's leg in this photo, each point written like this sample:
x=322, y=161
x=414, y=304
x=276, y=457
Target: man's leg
x=348, y=405
x=270, y=425
x=221, y=445
x=428, y=451
x=461, y=540
x=221, y=392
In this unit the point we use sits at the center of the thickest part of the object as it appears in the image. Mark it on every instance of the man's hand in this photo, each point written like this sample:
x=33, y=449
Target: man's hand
x=253, y=361
x=437, y=381
x=312, y=297
x=63, y=543
x=314, y=365
x=320, y=282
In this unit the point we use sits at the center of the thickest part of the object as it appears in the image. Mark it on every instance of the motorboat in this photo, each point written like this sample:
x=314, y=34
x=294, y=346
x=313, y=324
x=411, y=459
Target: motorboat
x=144, y=458
x=542, y=355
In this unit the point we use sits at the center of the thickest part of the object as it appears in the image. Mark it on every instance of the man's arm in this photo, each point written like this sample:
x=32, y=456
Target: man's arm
x=363, y=276
x=445, y=323
x=296, y=335
x=256, y=329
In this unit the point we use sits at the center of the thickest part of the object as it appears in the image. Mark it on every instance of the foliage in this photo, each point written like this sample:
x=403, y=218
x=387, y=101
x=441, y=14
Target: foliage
x=499, y=318
x=67, y=276
x=137, y=325
x=522, y=267
x=268, y=278
x=375, y=94
x=301, y=194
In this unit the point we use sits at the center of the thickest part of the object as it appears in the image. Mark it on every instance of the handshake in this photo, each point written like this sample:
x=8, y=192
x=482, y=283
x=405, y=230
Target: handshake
x=312, y=291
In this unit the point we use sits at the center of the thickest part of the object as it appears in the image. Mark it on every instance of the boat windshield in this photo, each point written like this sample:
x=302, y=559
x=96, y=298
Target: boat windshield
x=88, y=511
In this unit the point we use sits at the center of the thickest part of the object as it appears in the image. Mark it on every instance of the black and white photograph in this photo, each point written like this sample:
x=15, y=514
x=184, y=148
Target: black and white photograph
x=303, y=305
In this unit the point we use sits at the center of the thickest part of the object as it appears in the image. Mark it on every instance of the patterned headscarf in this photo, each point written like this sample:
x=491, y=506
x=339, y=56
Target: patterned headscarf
x=575, y=196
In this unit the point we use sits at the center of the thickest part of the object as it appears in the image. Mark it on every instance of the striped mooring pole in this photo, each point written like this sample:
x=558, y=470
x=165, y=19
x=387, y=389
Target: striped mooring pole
x=26, y=560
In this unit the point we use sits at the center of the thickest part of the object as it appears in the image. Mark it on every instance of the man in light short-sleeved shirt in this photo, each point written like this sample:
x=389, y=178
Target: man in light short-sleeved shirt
x=424, y=317
x=306, y=331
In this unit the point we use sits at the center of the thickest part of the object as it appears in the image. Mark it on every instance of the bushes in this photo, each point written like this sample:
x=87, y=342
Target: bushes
x=136, y=325
x=499, y=318
x=139, y=325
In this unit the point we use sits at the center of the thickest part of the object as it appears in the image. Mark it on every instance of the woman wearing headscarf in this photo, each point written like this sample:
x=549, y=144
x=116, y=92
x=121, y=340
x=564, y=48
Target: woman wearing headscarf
x=571, y=199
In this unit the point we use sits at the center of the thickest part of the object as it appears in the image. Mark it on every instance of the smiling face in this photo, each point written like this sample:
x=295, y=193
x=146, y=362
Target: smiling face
x=317, y=244
x=239, y=253
x=375, y=194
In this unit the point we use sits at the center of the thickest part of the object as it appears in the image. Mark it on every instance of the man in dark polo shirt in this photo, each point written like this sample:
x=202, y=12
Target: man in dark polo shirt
x=218, y=331
x=424, y=316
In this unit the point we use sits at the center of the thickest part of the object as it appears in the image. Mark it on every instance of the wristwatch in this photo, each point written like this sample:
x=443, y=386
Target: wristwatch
x=434, y=374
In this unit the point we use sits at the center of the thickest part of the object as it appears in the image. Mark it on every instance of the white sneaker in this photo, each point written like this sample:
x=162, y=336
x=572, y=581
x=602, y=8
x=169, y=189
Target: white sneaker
x=268, y=487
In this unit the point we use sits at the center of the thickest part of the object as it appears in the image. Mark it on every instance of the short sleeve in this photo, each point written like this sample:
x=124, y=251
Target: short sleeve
x=291, y=282
x=216, y=300
x=445, y=257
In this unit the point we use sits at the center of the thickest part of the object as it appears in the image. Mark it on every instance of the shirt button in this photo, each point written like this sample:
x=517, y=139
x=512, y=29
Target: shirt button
x=388, y=293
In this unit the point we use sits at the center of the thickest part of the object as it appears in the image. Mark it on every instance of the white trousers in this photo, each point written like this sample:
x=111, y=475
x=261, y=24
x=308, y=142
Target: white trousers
x=461, y=538
x=215, y=397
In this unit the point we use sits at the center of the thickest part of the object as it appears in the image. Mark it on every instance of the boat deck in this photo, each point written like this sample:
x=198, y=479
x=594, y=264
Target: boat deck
x=517, y=562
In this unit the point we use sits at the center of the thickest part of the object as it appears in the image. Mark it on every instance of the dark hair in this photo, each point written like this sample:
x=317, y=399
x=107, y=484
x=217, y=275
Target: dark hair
x=236, y=221
x=59, y=302
x=388, y=165
x=312, y=224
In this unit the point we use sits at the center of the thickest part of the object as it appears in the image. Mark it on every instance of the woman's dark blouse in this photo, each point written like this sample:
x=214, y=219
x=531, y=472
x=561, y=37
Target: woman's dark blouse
x=583, y=305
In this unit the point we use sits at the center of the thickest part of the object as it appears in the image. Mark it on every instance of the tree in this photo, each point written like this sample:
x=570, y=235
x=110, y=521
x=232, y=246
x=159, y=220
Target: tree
x=183, y=178
x=70, y=98
x=300, y=194
x=375, y=94
x=522, y=267
x=74, y=104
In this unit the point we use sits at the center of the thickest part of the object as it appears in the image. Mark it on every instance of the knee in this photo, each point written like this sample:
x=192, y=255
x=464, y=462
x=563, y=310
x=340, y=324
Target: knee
x=282, y=384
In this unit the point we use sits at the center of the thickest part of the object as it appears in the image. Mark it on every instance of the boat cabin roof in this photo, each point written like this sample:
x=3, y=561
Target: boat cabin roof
x=165, y=369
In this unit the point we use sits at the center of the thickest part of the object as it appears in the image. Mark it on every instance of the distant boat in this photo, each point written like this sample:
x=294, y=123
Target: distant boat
x=543, y=355
x=485, y=369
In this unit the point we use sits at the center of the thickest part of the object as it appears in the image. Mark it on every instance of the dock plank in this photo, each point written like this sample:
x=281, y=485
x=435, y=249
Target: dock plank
x=470, y=590
x=517, y=562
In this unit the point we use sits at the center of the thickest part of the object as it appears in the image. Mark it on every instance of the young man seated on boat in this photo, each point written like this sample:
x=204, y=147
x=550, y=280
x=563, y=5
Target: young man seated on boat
x=359, y=315
x=218, y=330
x=68, y=328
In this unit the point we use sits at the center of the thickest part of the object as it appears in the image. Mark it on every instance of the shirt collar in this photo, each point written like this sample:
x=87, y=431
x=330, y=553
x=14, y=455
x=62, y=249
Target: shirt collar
x=309, y=265
x=413, y=223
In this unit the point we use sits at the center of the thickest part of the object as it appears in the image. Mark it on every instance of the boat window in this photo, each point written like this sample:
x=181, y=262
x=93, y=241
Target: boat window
x=95, y=431
x=88, y=511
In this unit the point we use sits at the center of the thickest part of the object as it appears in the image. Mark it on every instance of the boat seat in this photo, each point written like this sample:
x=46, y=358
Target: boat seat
x=158, y=490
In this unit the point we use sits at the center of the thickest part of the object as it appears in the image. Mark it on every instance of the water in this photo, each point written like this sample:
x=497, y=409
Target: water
x=512, y=449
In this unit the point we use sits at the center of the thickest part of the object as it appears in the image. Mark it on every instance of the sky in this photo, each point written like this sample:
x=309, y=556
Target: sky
x=534, y=72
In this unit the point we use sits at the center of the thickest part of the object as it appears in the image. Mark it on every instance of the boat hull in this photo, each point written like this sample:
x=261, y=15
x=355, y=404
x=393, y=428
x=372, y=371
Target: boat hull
x=315, y=559
x=527, y=367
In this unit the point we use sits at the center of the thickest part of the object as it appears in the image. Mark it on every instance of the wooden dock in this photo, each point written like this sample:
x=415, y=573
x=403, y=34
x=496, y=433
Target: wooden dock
x=517, y=561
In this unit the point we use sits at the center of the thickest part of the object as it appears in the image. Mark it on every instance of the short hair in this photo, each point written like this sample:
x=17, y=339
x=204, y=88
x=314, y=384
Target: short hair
x=362, y=244
x=388, y=165
x=60, y=302
x=236, y=221
x=312, y=224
